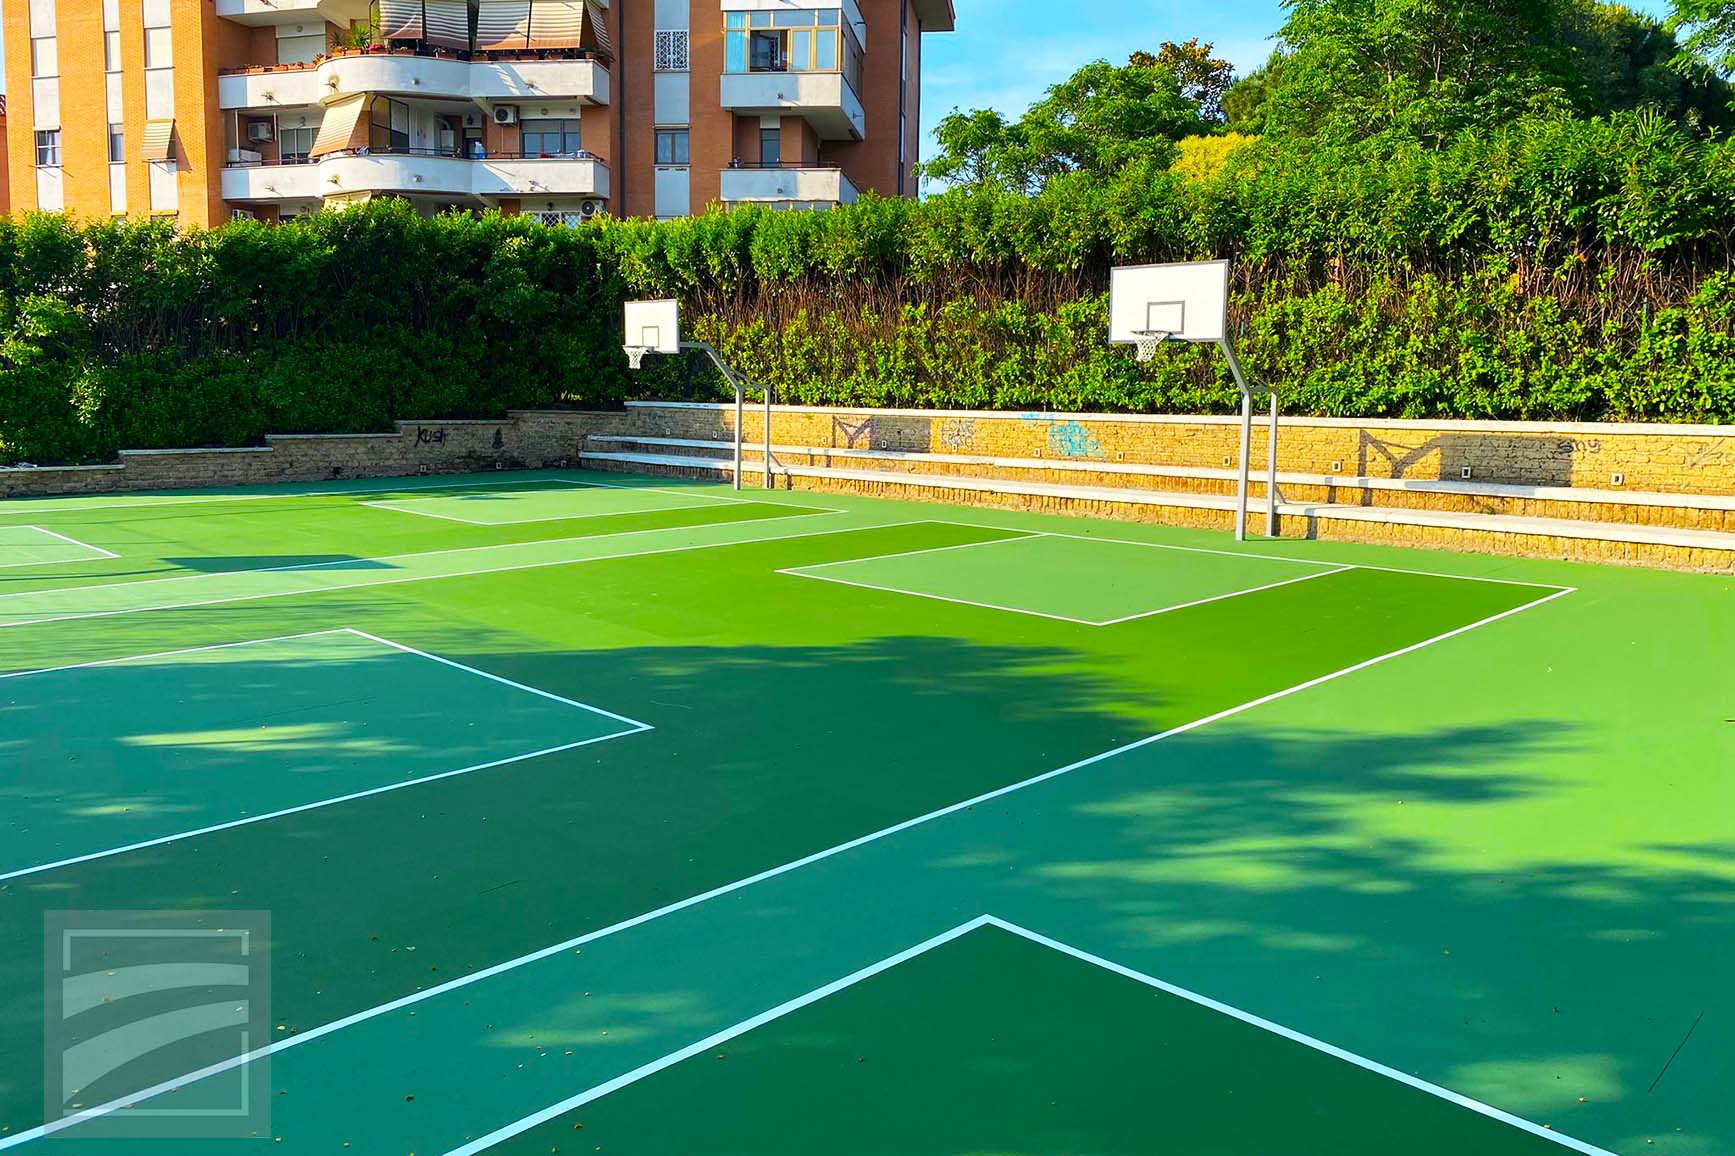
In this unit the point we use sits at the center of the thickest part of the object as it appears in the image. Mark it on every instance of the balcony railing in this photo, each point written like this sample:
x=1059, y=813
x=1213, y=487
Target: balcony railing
x=419, y=172
x=516, y=76
x=772, y=182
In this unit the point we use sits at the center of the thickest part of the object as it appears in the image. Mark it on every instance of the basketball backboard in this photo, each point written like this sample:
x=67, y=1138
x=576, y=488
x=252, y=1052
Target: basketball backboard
x=1179, y=302
x=653, y=326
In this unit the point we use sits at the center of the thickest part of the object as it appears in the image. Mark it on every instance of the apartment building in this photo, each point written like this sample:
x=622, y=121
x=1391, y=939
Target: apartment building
x=204, y=110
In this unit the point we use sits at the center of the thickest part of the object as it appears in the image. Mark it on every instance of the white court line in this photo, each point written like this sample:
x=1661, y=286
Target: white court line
x=169, y=501
x=356, y=563
x=699, y=1047
x=577, y=941
x=97, y=551
x=808, y=572
x=401, y=505
x=1277, y=557
x=633, y=726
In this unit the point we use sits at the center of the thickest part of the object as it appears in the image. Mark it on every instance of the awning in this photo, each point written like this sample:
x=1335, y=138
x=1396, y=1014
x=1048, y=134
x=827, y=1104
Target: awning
x=503, y=25
x=338, y=127
x=159, y=140
x=447, y=24
x=401, y=19
x=596, y=28
x=556, y=23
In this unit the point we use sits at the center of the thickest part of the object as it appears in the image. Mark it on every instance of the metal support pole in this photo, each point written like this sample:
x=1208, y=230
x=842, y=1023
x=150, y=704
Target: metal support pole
x=1246, y=440
x=768, y=435
x=733, y=379
x=1271, y=474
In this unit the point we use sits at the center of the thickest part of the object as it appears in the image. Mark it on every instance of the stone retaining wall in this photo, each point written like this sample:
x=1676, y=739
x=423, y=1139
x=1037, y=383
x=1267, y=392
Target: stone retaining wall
x=524, y=439
x=1687, y=459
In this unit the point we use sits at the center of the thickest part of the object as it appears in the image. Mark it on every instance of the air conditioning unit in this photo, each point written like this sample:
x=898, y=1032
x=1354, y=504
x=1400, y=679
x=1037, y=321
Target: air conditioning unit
x=472, y=120
x=505, y=114
x=259, y=130
x=590, y=208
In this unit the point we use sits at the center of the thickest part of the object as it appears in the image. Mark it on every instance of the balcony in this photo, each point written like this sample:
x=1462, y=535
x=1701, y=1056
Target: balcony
x=264, y=12
x=404, y=74
x=418, y=173
x=791, y=182
x=824, y=99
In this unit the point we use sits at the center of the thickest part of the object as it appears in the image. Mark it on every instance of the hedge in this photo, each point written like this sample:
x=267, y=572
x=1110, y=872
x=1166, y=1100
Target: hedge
x=1560, y=268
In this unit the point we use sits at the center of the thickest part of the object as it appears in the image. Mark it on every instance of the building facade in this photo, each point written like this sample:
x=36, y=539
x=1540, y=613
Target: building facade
x=204, y=110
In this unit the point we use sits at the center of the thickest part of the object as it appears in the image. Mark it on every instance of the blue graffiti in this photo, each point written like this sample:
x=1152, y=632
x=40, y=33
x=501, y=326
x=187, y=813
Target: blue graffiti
x=1071, y=440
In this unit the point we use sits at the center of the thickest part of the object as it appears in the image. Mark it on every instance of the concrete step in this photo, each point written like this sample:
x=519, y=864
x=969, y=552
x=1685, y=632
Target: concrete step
x=1528, y=536
x=1708, y=512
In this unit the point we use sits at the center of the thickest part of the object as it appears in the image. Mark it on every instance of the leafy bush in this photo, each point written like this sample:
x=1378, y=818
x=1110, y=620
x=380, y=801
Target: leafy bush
x=1553, y=268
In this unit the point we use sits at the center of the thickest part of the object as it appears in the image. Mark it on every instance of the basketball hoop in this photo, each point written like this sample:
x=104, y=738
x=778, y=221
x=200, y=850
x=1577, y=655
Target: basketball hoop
x=1147, y=341
x=636, y=354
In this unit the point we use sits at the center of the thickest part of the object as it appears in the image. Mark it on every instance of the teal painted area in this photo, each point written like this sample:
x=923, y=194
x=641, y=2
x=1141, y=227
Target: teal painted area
x=548, y=502
x=1072, y=577
x=1497, y=860
x=104, y=756
x=994, y=1043
x=31, y=546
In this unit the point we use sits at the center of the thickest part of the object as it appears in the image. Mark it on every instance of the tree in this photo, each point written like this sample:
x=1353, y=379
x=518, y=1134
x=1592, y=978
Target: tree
x=1205, y=80
x=1710, y=29
x=1098, y=120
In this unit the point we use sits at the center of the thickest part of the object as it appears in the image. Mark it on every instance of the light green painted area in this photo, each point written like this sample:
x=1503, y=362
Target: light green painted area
x=1476, y=831
x=548, y=502
x=1077, y=578
x=34, y=546
x=117, y=753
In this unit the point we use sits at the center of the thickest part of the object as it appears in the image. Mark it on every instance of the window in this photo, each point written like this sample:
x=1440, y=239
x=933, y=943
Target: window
x=566, y=218
x=770, y=146
x=549, y=137
x=672, y=146
x=44, y=56
x=48, y=146
x=671, y=51
x=242, y=215
x=111, y=51
x=294, y=144
x=389, y=125
x=159, y=48
x=117, y=144
x=798, y=40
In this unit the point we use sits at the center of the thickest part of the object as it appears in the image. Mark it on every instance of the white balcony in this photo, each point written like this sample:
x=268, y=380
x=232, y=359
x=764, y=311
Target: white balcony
x=485, y=81
x=825, y=99
x=443, y=177
x=257, y=12
x=787, y=183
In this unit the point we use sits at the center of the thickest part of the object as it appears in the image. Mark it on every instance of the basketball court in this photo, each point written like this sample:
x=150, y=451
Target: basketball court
x=603, y=813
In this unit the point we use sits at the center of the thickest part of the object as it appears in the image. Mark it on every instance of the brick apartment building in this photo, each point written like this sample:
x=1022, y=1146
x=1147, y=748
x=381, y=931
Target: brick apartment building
x=208, y=109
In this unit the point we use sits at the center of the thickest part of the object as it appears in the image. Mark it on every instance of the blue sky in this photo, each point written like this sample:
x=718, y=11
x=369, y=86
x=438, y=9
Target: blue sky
x=1006, y=53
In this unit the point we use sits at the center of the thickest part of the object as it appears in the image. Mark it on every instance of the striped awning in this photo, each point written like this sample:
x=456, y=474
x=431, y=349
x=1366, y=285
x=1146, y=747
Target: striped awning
x=401, y=19
x=596, y=28
x=338, y=127
x=159, y=140
x=556, y=23
x=502, y=25
x=447, y=24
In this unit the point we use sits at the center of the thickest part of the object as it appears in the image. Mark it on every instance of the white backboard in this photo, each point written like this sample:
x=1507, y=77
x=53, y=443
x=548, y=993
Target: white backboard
x=1187, y=301
x=653, y=325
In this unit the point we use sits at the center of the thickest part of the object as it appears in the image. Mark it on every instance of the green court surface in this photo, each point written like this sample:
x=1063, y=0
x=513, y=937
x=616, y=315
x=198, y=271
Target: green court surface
x=35, y=546
x=949, y=830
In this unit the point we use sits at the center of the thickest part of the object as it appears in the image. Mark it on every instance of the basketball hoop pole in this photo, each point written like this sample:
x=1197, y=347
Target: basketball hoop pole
x=1247, y=392
x=733, y=379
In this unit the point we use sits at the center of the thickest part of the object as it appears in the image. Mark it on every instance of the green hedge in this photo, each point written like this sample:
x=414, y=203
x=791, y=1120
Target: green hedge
x=1557, y=269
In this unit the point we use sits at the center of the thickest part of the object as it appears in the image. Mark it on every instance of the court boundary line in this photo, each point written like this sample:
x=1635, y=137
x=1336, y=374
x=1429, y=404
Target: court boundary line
x=97, y=552
x=1298, y=561
x=397, y=505
x=805, y=511
x=632, y=727
x=147, y=499
x=825, y=991
x=577, y=941
x=808, y=572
